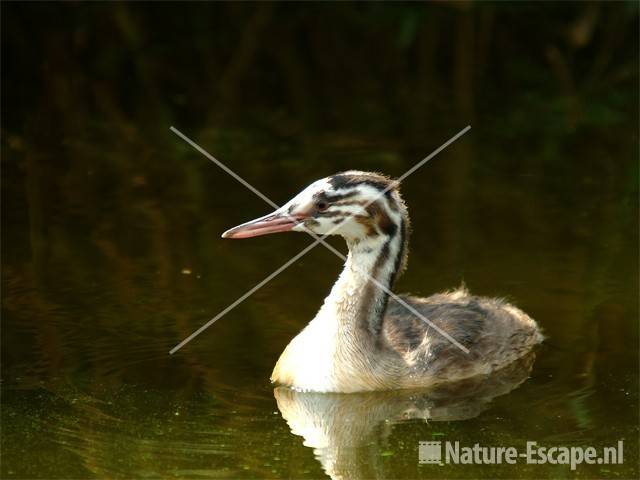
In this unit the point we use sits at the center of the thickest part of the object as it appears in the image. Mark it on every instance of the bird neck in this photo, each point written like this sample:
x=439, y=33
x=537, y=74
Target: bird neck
x=358, y=300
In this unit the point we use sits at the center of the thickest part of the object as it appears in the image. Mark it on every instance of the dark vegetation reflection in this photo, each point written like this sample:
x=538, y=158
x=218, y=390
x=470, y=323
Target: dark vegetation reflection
x=110, y=226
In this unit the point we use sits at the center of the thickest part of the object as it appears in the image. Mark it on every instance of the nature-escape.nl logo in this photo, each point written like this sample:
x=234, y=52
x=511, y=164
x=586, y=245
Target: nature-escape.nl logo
x=454, y=454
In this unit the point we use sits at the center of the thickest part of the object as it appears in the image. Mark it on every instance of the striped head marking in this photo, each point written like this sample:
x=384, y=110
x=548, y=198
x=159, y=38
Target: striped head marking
x=356, y=205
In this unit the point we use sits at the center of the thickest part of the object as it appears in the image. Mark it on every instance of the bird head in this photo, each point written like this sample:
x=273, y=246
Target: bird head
x=355, y=205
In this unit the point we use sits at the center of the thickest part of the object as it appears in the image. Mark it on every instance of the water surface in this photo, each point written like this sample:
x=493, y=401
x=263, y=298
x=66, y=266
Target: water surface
x=112, y=255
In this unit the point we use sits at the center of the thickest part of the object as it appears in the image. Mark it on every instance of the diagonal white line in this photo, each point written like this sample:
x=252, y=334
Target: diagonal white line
x=318, y=239
x=224, y=167
x=399, y=300
x=241, y=299
x=432, y=154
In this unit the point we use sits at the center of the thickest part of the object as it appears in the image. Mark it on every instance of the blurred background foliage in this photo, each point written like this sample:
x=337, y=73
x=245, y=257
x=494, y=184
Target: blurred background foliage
x=537, y=71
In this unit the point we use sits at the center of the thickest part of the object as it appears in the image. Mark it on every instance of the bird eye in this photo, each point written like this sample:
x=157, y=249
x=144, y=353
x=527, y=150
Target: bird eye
x=322, y=206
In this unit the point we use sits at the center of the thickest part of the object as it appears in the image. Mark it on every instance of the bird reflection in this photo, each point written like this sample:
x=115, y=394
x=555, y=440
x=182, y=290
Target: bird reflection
x=336, y=425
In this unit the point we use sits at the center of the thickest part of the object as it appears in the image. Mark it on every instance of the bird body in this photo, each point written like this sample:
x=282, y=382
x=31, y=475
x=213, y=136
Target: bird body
x=363, y=339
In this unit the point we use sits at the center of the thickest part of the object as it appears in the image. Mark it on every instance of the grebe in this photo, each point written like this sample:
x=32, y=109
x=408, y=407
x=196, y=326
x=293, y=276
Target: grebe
x=362, y=340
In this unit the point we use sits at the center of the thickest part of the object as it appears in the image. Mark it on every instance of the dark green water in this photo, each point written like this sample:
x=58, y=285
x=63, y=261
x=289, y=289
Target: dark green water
x=107, y=265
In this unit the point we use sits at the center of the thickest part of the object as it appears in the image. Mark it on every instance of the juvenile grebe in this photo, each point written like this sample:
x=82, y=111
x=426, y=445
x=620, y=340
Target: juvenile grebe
x=360, y=339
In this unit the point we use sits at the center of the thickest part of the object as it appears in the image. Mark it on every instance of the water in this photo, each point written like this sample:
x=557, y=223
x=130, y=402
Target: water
x=112, y=255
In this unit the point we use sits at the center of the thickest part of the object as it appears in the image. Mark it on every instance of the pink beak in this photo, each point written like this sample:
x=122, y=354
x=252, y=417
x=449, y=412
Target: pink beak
x=272, y=223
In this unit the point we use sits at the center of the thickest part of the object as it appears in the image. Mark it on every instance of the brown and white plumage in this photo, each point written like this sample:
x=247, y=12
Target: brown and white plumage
x=361, y=339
